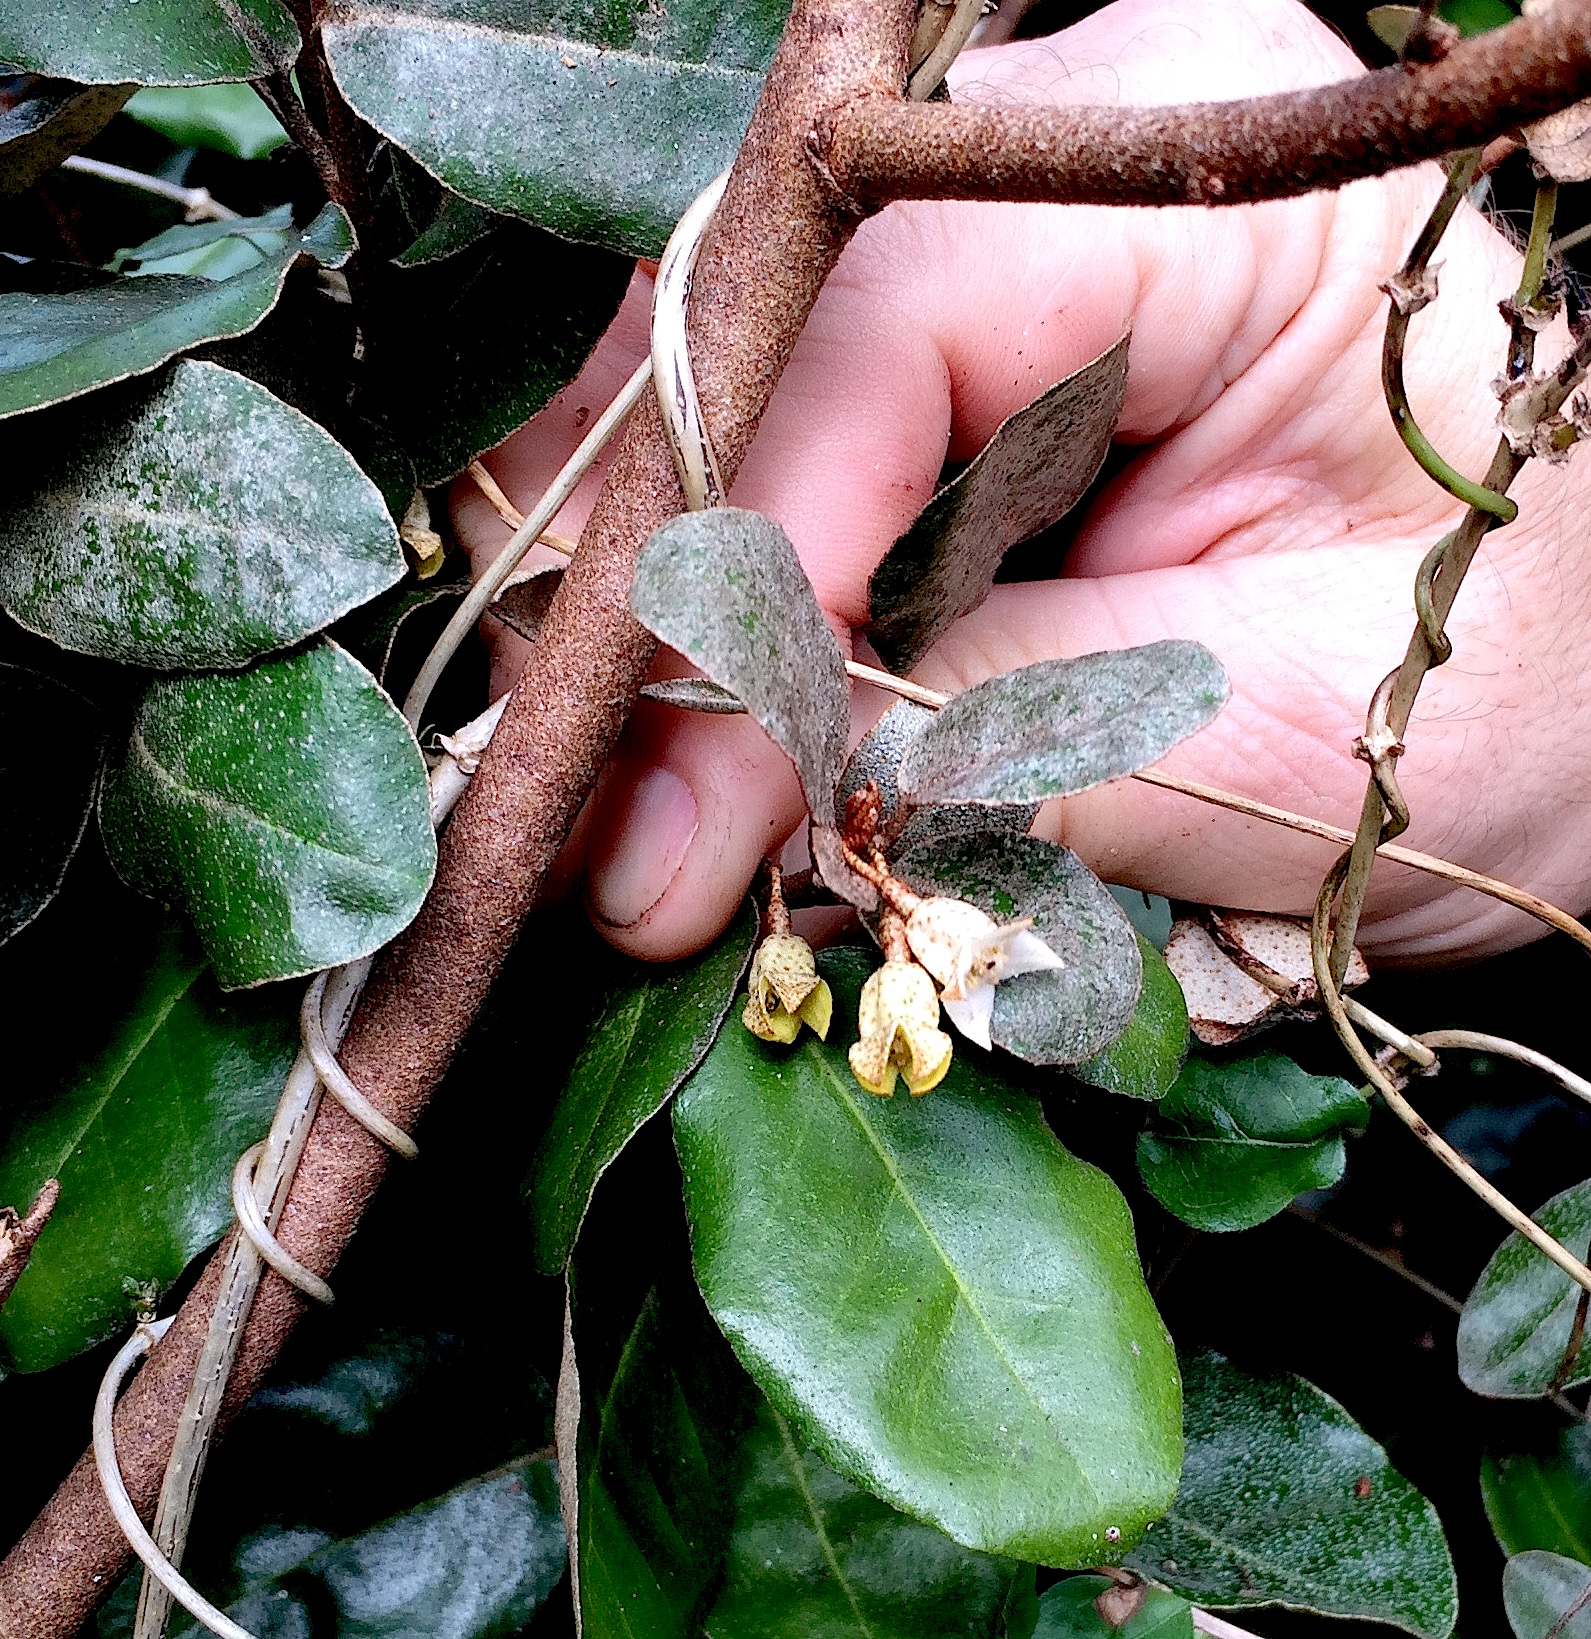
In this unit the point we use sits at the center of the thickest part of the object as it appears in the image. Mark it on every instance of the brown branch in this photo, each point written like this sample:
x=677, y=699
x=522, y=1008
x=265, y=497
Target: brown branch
x=18, y=1235
x=774, y=240
x=879, y=149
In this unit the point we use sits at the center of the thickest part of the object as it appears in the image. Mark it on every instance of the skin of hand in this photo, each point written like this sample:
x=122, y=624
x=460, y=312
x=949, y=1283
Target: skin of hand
x=1270, y=512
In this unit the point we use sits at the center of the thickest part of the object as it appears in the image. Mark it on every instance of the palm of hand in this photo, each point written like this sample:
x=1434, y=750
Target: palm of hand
x=1273, y=514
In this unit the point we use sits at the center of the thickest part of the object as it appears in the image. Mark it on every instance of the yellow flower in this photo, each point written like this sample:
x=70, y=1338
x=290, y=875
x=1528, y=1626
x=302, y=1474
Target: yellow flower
x=899, y=1024
x=786, y=991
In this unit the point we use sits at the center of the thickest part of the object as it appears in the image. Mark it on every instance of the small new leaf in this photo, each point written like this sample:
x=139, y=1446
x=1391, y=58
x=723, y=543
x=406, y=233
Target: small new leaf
x=1063, y=726
x=726, y=589
x=1233, y=1143
x=1030, y=474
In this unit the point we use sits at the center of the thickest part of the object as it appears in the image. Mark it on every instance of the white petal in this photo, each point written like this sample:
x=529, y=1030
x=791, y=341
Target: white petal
x=971, y=1015
x=1027, y=953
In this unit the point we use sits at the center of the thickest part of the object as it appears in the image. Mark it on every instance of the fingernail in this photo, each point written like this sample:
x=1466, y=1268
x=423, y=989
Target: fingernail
x=640, y=845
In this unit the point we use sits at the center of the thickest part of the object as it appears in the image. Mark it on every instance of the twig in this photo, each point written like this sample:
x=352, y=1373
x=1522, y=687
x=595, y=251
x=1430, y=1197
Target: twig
x=1476, y=1041
x=18, y=1235
x=493, y=491
x=930, y=74
x=277, y=93
x=195, y=201
x=876, y=150
x=520, y=542
x=1320, y=944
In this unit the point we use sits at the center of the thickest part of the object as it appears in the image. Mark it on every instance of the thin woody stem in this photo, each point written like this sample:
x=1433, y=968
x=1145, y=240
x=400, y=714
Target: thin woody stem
x=877, y=150
x=19, y=1234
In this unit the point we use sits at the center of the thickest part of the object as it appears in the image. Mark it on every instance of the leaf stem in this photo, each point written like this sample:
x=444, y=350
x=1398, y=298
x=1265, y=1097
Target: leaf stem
x=195, y=201
x=18, y=1235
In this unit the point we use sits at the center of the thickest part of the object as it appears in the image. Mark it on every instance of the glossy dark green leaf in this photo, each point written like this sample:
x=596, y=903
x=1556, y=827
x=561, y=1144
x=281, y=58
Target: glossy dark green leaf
x=476, y=1563
x=457, y=225
x=662, y=1410
x=653, y=1030
x=485, y=338
x=1146, y=1058
x=1540, y=1498
x=143, y=1106
x=1518, y=1319
x=1029, y=475
x=1539, y=1592
x=1067, y=1611
x=44, y=805
x=195, y=521
x=52, y=119
x=1285, y=1500
x=726, y=589
x=284, y=807
x=1062, y=726
x=1233, y=1142
x=230, y=119
x=693, y=694
x=1063, y=1015
x=67, y=333
x=157, y=42
x=858, y=1253
x=600, y=125
x=813, y=1554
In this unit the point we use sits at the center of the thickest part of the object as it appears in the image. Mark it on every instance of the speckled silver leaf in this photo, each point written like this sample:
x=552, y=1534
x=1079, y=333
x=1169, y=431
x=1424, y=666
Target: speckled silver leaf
x=823, y=842
x=1030, y=474
x=726, y=589
x=1518, y=1319
x=193, y=522
x=54, y=119
x=285, y=808
x=1062, y=726
x=693, y=694
x=1285, y=1500
x=1540, y=1590
x=1063, y=1015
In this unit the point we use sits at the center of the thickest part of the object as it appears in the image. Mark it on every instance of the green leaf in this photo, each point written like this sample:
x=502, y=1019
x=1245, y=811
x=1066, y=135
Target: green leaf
x=193, y=521
x=1063, y=726
x=1285, y=1500
x=693, y=694
x=1062, y=1015
x=662, y=1410
x=813, y=1554
x=652, y=1032
x=858, y=1253
x=231, y=119
x=1539, y=1590
x=52, y=119
x=70, y=332
x=1030, y=474
x=158, y=42
x=140, y=1109
x=1541, y=1498
x=1477, y=16
x=473, y=1564
x=726, y=589
x=457, y=225
x=213, y=250
x=285, y=808
x=599, y=125
x=1146, y=1058
x=1067, y=1611
x=485, y=338
x=702, y=1513
x=44, y=803
x=1234, y=1142
x=1519, y=1316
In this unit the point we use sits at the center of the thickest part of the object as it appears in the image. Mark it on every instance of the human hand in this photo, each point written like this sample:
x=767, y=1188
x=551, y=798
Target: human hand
x=1273, y=514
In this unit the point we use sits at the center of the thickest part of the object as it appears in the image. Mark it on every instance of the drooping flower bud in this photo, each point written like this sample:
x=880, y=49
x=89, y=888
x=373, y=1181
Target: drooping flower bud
x=785, y=991
x=899, y=1024
x=969, y=953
